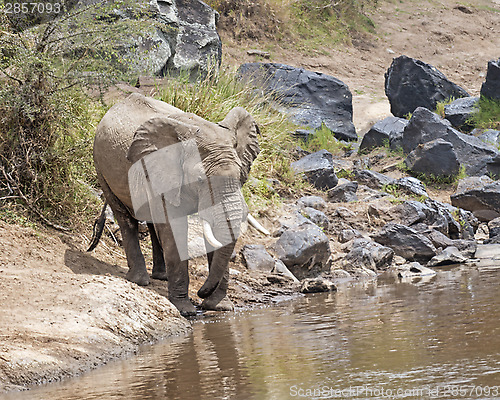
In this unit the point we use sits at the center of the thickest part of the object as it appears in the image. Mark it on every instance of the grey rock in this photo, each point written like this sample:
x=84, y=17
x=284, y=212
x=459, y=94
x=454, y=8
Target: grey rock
x=411, y=83
x=460, y=111
x=412, y=212
x=372, y=179
x=346, y=235
x=471, y=152
x=491, y=86
x=315, y=202
x=304, y=250
x=488, y=136
x=414, y=270
x=290, y=221
x=381, y=133
x=367, y=254
x=318, y=169
x=256, y=258
x=411, y=185
x=406, y=242
x=281, y=269
x=450, y=255
x=439, y=240
x=481, y=195
x=185, y=39
x=311, y=98
x=494, y=227
x=317, y=217
x=344, y=213
x=317, y=285
x=344, y=193
x=436, y=157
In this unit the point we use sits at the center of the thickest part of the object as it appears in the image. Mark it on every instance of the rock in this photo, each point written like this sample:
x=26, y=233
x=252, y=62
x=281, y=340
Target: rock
x=439, y=240
x=317, y=217
x=367, y=254
x=380, y=134
x=411, y=185
x=344, y=213
x=346, y=235
x=372, y=179
x=414, y=212
x=311, y=98
x=344, y=193
x=256, y=258
x=489, y=251
x=290, y=221
x=491, y=87
x=304, y=250
x=488, y=136
x=315, y=202
x=281, y=269
x=406, y=242
x=460, y=111
x=414, y=270
x=436, y=158
x=411, y=83
x=450, y=255
x=185, y=39
x=317, y=169
x=317, y=285
x=472, y=153
x=481, y=195
x=494, y=227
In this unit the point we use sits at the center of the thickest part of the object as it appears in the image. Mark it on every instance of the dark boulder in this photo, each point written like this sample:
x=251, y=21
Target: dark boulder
x=411, y=83
x=317, y=285
x=450, y=255
x=491, y=86
x=256, y=257
x=381, y=133
x=406, y=242
x=481, y=195
x=436, y=158
x=439, y=240
x=312, y=99
x=411, y=186
x=472, y=153
x=494, y=227
x=317, y=217
x=318, y=169
x=305, y=251
x=372, y=179
x=489, y=136
x=460, y=111
x=344, y=193
x=368, y=254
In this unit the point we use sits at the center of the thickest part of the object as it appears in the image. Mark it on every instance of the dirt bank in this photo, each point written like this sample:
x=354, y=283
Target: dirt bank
x=63, y=311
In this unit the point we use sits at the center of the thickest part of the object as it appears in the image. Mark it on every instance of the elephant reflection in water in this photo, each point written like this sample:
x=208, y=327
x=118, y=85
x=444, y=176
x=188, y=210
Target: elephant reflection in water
x=157, y=163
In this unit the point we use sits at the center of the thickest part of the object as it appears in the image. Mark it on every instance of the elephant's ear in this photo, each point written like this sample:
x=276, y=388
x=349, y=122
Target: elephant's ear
x=157, y=146
x=239, y=121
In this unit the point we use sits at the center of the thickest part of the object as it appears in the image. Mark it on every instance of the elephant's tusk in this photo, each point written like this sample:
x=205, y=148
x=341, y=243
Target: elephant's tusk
x=209, y=235
x=257, y=226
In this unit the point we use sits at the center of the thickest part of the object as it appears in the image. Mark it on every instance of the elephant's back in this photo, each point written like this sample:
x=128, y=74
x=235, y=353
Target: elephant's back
x=114, y=135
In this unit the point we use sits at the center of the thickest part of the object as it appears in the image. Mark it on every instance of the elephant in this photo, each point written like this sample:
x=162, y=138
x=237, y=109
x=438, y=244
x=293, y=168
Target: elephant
x=157, y=163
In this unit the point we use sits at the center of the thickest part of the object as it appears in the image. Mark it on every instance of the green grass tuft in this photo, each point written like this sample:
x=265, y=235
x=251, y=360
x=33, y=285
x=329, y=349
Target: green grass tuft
x=488, y=116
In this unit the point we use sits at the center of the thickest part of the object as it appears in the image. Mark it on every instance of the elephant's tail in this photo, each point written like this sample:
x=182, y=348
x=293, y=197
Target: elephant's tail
x=98, y=228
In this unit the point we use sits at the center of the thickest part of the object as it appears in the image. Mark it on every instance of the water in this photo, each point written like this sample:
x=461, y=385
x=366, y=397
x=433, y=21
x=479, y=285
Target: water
x=434, y=338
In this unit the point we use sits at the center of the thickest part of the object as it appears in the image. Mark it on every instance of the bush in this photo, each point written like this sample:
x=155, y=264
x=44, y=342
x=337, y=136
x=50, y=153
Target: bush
x=46, y=120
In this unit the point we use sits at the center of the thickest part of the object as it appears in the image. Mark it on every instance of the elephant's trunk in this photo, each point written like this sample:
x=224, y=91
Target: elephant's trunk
x=225, y=217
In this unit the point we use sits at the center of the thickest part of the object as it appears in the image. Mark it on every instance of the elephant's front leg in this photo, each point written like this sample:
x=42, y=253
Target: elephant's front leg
x=159, y=268
x=177, y=269
x=218, y=300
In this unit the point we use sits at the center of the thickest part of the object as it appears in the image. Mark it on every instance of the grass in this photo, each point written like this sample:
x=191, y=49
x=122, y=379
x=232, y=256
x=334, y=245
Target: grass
x=323, y=139
x=212, y=98
x=441, y=105
x=488, y=116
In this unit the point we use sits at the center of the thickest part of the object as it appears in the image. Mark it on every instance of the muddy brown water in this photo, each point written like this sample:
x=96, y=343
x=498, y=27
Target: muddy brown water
x=437, y=337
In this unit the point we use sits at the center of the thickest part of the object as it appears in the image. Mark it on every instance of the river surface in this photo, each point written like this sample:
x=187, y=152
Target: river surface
x=420, y=339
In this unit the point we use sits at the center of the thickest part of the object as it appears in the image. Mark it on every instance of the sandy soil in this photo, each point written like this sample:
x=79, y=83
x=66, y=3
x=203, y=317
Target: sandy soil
x=63, y=311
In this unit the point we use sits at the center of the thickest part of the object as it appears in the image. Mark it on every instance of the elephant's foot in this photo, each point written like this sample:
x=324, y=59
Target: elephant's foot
x=185, y=307
x=161, y=275
x=217, y=305
x=139, y=277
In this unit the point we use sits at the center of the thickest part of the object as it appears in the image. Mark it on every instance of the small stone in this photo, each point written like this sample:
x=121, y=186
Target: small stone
x=317, y=285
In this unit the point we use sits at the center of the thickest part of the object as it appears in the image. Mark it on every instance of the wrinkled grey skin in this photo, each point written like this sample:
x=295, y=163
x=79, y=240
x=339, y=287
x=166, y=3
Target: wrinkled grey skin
x=139, y=126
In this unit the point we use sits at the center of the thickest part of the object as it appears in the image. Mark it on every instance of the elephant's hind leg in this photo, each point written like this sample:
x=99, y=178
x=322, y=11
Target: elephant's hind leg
x=129, y=228
x=159, y=269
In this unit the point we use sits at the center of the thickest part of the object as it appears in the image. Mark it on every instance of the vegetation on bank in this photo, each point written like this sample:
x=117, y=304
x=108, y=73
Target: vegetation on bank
x=305, y=24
